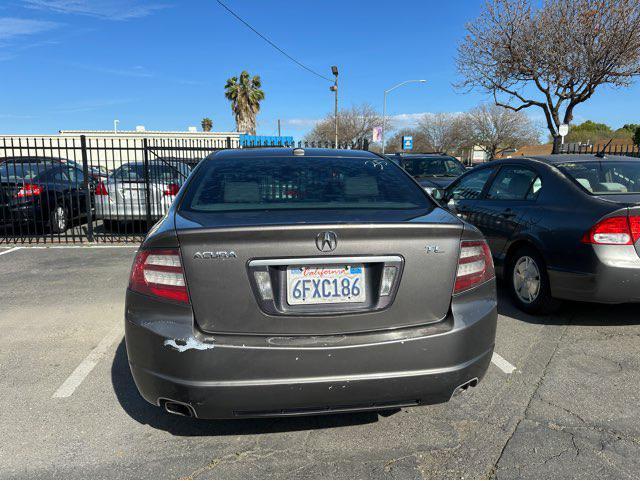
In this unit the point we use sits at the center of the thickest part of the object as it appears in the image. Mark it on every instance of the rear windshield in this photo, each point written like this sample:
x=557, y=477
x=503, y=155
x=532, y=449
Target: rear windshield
x=605, y=177
x=157, y=172
x=301, y=183
x=19, y=172
x=433, y=167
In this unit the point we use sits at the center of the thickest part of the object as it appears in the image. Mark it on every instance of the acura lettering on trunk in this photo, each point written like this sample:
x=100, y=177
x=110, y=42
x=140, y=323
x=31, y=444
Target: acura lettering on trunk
x=215, y=255
x=349, y=289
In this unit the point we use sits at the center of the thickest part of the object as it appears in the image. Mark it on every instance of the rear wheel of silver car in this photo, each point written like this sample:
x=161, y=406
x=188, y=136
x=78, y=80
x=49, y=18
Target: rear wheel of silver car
x=529, y=282
x=59, y=219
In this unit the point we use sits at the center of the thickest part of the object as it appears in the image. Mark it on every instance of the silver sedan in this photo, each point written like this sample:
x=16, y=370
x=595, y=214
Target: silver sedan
x=125, y=195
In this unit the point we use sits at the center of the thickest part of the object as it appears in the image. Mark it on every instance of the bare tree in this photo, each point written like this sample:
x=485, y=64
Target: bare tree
x=496, y=128
x=442, y=132
x=553, y=57
x=354, y=124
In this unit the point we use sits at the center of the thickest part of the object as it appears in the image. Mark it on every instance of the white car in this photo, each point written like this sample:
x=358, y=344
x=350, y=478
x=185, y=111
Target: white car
x=124, y=195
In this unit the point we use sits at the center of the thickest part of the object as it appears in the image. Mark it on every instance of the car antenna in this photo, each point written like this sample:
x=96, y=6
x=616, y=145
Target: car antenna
x=601, y=153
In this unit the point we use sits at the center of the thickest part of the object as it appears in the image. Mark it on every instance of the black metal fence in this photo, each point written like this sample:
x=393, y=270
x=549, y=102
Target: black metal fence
x=629, y=150
x=97, y=189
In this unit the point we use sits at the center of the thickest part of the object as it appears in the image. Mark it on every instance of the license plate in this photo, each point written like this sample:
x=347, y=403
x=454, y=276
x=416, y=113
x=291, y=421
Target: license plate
x=325, y=284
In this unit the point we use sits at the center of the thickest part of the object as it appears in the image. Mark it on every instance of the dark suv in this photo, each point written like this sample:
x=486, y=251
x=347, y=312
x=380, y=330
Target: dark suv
x=432, y=171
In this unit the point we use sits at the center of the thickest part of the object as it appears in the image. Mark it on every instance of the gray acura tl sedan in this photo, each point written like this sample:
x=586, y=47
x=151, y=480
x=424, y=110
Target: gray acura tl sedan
x=307, y=281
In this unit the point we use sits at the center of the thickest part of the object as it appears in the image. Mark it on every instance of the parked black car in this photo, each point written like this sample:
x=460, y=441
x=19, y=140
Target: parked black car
x=41, y=193
x=432, y=171
x=559, y=227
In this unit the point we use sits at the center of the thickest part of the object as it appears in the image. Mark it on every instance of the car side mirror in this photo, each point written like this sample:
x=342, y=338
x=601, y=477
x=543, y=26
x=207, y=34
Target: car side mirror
x=451, y=205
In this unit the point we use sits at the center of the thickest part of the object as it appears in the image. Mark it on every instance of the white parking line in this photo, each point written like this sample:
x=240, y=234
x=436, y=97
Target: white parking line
x=502, y=364
x=13, y=249
x=89, y=362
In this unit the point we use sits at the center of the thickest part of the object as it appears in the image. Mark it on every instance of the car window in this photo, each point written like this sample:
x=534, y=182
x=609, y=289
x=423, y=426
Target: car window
x=75, y=175
x=515, y=183
x=605, y=178
x=21, y=172
x=421, y=167
x=471, y=186
x=266, y=183
x=59, y=175
x=158, y=172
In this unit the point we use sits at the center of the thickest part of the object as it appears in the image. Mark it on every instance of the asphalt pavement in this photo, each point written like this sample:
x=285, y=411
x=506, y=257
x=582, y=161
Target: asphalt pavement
x=559, y=401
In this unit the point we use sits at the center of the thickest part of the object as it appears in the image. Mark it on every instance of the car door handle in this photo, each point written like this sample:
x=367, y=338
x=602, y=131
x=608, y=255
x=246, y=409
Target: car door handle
x=507, y=214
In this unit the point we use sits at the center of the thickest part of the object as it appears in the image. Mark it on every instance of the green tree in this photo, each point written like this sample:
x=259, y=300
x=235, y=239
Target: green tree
x=207, y=124
x=589, y=131
x=245, y=95
x=636, y=136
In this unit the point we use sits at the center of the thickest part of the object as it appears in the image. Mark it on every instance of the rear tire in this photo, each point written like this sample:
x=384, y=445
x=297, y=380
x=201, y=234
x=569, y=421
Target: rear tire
x=529, y=284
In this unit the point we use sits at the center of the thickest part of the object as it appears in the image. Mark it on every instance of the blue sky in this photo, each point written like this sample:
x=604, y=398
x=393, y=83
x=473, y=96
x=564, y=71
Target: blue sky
x=79, y=64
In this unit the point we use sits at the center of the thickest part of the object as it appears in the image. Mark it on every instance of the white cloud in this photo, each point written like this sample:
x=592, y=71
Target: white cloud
x=89, y=106
x=11, y=27
x=137, y=71
x=403, y=121
x=302, y=123
x=107, y=9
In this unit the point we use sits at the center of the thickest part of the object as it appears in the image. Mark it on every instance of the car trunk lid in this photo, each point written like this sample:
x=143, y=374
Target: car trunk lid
x=220, y=265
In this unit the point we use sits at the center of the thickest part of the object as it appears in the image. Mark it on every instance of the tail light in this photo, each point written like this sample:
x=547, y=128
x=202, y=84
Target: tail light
x=159, y=273
x=29, y=190
x=618, y=230
x=101, y=189
x=171, y=189
x=475, y=265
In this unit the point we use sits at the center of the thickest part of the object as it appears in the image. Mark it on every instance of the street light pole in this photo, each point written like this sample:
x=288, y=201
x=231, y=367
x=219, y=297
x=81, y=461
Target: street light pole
x=334, y=88
x=384, y=104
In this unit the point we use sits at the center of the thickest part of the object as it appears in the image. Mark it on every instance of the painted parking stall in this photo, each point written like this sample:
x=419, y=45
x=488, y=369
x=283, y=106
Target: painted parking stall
x=512, y=420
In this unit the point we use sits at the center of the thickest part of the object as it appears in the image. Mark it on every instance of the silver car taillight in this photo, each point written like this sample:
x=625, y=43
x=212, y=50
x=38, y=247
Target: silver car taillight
x=475, y=265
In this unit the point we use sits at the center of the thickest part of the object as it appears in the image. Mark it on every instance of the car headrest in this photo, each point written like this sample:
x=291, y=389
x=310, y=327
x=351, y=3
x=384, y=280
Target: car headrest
x=613, y=187
x=247, y=192
x=585, y=183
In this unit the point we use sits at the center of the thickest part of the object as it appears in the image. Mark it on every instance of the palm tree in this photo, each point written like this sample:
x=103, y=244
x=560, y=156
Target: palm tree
x=245, y=95
x=207, y=124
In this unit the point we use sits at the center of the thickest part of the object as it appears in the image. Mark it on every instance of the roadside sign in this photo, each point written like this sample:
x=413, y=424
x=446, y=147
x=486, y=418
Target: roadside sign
x=377, y=134
x=563, y=130
x=407, y=142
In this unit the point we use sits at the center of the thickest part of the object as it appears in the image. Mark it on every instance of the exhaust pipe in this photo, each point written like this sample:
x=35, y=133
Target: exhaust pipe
x=465, y=386
x=178, y=408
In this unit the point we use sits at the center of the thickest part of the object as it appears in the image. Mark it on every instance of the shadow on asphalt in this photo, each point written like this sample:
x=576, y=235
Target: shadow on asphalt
x=574, y=313
x=145, y=413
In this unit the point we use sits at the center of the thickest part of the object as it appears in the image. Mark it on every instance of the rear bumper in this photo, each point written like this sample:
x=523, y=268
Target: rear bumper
x=252, y=376
x=614, y=278
x=16, y=214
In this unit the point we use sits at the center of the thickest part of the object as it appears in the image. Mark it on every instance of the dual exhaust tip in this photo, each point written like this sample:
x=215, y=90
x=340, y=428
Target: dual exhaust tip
x=465, y=386
x=178, y=408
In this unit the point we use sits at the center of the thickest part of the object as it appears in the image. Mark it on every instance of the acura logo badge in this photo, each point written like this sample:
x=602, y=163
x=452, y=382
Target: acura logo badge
x=326, y=241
